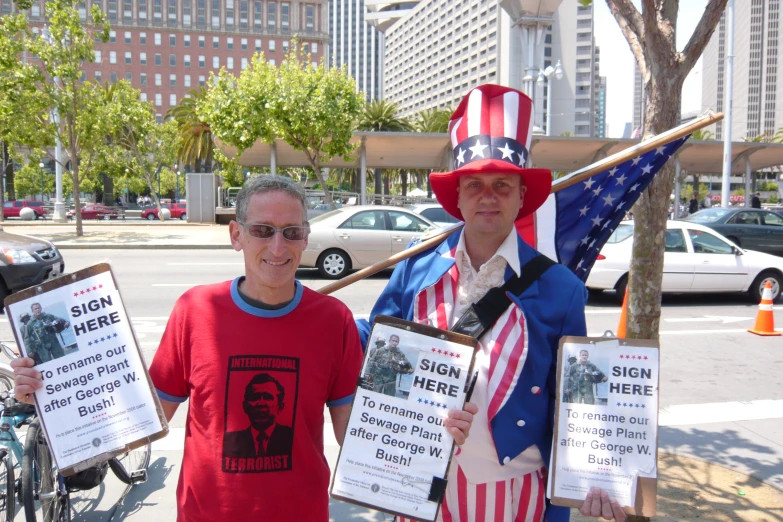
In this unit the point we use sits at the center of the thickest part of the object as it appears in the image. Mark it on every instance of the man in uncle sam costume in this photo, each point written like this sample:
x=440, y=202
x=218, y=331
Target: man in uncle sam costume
x=500, y=473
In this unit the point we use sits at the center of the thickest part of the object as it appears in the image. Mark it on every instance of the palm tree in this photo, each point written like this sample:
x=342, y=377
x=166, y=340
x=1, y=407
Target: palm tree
x=381, y=116
x=197, y=141
x=432, y=120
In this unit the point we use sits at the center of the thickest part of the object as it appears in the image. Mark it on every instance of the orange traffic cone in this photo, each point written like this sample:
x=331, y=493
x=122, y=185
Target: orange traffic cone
x=623, y=316
x=765, y=321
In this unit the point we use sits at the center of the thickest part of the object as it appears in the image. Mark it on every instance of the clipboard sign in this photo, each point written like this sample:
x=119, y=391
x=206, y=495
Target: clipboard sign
x=98, y=400
x=606, y=422
x=396, y=454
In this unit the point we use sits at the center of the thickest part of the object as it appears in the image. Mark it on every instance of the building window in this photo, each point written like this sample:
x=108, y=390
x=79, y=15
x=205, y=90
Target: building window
x=230, y=44
x=202, y=41
x=158, y=99
x=157, y=38
x=173, y=60
x=143, y=38
x=272, y=61
x=143, y=79
x=112, y=36
x=113, y=77
x=129, y=76
x=271, y=46
x=215, y=13
x=202, y=81
x=270, y=17
x=258, y=15
x=127, y=10
x=243, y=63
x=309, y=18
x=158, y=59
x=172, y=40
x=313, y=48
x=172, y=13
x=158, y=80
x=98, y=76
x=143, y=58
x=82, y=76
x=142, y=9
x=243, y=43
x=143, y=96
x=112, y=11
x=186, y=8
x=187, y=80
x=172, y=80
x=284, y=12
x=127, y=38
x=258, y=46
x=229, y=63
x=36, y=11
x=202, y=13
x=112, y=57
x=285, y=46
x=158, y=119
x=229, y=14
x=216, y=42
x=128, y=59
x=157, y=11
x=201, y=62
x=216, y=62
x=187, y=60
x=243, y=8
x=97, y=56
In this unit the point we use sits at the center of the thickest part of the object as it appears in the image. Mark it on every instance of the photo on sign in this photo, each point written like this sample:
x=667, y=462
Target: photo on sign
x=585, y=378
x=260, y=411
x=45, y=330
x=390, y=364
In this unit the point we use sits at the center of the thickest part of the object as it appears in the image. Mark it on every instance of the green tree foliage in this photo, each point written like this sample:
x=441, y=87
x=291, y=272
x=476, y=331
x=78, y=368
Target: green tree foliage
x=27, y=181
x=197, y=148
x=381, y=116
x=35, y=90
x=432, y=120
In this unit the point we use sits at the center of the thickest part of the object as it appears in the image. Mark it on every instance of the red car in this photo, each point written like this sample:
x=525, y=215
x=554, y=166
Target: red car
x=12, y=208
x=178, y=211
x=95, y=211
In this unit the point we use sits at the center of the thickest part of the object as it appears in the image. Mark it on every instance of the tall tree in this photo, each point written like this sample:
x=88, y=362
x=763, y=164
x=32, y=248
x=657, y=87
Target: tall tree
x=430, y=120
x=196, y=144
x=651, y=35
x=381, y=116
x=52, y=84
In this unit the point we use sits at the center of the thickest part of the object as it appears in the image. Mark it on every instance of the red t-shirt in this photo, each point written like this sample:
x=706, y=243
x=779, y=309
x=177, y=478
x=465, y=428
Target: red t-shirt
x=215, y=351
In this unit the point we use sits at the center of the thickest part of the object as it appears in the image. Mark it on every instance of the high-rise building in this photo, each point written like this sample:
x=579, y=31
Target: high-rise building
x=165, y=48
x=600, y=107
x=758, y=64
x=437, y=50
x=357, y=45
x=638, y=99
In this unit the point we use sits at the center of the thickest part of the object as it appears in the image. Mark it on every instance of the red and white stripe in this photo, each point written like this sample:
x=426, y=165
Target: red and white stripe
x=538, y=229
x=515, y=500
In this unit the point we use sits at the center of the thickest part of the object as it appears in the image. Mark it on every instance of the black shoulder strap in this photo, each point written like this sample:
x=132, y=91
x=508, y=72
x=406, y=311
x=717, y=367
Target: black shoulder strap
x=480, y=317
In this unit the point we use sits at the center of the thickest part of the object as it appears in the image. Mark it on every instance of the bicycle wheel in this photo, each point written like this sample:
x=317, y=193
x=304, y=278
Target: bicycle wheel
x=7, y=499
x=131, y=467
x=45, y=498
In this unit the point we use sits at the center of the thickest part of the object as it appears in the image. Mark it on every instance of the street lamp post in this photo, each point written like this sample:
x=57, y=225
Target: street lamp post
x=41, y=166
x=59, y=206
x=178, y=173
x=546, y=76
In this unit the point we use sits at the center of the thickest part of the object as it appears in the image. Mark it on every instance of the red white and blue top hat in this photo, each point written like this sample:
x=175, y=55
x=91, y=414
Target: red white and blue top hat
x=490, y=133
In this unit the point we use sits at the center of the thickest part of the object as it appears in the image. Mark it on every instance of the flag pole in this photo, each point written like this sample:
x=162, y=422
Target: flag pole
x=621, y=157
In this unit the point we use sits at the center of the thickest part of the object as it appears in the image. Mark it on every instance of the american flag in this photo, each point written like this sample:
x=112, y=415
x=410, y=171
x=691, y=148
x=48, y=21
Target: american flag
x=574, y=223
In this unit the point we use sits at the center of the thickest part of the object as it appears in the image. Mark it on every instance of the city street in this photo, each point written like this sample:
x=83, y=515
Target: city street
x=721, y=395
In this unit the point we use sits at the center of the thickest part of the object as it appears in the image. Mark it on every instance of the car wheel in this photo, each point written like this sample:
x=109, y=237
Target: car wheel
x=3, y=294
x=151, y=217
x=620, y=288
x=334, y=264
x=734, y=240
x=757, y=288
x=183, y=217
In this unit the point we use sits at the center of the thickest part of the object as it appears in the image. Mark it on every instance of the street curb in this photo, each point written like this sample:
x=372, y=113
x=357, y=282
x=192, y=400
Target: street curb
x=140, y=247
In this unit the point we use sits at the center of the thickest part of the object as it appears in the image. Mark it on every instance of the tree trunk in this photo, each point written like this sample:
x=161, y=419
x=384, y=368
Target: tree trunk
x=386, y=185
x=76, y=196
x=696, y=186
x=650, y=214
x=429, y=188
x=198, y=165
x=378, y=177
x=318, y=174
x=404, y=182
x=9, y=173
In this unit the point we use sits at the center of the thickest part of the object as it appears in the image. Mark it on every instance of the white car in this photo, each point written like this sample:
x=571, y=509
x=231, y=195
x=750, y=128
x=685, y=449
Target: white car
x=434, y=212
x=359, y=236
x=696, y=259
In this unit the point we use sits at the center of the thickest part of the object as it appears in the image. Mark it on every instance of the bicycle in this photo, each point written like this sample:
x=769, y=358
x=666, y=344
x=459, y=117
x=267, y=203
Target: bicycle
x=45, y=493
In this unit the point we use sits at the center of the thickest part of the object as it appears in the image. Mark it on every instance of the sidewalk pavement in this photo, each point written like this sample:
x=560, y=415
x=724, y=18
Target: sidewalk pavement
x=736, y=463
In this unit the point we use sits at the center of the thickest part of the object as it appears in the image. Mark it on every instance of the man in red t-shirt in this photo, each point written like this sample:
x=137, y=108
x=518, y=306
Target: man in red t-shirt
x=258, y=358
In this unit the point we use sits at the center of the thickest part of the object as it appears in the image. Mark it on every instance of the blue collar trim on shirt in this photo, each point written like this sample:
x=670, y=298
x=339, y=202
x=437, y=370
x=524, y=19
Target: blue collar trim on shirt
x=260, y=312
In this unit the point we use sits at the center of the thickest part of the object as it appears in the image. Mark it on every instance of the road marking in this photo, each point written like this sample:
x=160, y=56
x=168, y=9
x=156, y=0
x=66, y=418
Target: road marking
x=707, y=319
x=676, y=415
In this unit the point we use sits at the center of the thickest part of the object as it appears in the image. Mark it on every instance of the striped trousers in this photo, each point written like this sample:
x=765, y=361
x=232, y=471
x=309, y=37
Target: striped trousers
x=515, y=500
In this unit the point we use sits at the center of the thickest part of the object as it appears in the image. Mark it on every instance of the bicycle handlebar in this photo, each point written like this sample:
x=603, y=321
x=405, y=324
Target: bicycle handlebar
x=9, y=351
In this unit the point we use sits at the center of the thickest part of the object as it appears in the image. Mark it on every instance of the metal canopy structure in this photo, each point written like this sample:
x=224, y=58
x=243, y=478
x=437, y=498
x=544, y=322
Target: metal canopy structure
x=410, y=150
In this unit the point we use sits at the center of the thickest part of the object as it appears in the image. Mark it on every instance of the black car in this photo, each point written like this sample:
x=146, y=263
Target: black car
x=749, y=228
x=26, y=261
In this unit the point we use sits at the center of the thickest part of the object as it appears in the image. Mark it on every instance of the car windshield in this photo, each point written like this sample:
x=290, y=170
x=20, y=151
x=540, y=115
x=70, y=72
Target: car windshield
x=708, y=215
x=622, y=233
x=327, y=215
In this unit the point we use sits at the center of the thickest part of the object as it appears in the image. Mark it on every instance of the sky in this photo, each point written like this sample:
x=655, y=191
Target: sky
x=617, y=63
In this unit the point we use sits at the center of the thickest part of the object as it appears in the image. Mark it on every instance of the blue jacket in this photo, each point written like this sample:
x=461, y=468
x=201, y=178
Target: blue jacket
x=553, y=307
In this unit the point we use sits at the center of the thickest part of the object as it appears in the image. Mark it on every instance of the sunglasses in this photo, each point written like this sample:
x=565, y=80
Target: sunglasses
x=262, y=231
